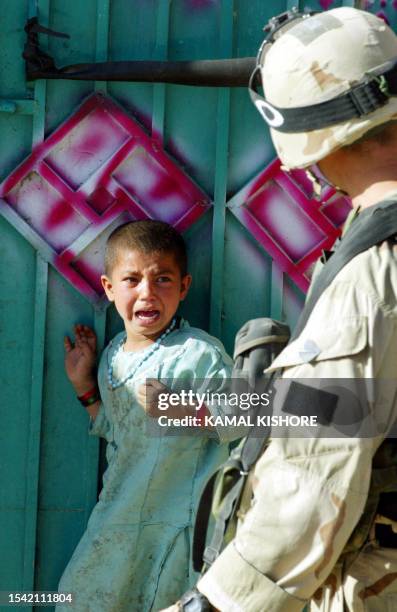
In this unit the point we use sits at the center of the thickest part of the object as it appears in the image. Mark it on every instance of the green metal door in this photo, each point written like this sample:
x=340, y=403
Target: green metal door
x=251, y=232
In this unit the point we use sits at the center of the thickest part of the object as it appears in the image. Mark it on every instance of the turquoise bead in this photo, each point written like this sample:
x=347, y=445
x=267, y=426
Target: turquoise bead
x=148, y=353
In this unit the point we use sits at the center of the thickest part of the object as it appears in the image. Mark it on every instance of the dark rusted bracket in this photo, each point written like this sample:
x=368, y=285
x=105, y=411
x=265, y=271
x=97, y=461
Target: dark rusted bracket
x=211, y=73
x=35, y=59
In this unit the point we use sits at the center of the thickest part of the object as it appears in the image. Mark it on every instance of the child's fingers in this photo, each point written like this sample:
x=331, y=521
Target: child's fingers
x=90, y=337
x=77, y=332
x=67, y=344
x=89, y=332
x=156, y=384
x=84, y=335
x=80, y=334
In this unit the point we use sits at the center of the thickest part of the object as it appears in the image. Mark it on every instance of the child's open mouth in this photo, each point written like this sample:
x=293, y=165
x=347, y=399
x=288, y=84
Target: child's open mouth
x=147, y=316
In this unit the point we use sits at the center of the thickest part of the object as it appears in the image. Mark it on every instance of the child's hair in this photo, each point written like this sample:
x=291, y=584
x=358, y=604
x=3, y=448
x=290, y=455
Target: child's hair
x=148, y=236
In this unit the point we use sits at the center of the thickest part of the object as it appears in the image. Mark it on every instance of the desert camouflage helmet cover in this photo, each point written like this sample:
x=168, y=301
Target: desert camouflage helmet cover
x=317, y=59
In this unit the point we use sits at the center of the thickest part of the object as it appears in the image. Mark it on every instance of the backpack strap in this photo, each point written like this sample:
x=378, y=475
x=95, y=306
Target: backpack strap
x=372, y=226
x=226, y=510
x=201, y=523
x=258, y=342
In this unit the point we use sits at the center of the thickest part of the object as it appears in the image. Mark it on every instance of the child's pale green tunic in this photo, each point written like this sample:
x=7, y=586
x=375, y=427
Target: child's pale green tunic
x=135, y=553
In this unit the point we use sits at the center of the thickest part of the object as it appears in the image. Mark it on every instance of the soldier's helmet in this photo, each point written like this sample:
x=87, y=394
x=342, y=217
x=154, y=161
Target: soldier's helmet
x=328, y=56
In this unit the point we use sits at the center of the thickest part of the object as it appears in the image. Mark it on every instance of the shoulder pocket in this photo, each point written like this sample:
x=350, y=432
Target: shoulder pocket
x=348, y=337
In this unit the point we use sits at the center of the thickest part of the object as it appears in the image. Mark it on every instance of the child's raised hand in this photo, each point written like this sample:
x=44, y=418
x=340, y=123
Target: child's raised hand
x=80, y=358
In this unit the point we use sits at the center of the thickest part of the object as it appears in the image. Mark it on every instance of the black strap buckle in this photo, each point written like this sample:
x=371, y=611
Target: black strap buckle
x=368, y=97
x=278, y=22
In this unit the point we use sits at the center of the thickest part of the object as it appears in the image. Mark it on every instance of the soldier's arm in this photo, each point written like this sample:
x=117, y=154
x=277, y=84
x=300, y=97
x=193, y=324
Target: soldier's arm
x=308, y=497
x=310, y=493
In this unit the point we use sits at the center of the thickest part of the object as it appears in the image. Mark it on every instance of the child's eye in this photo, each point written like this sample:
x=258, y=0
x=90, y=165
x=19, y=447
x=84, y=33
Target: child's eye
x=132, y=280
x=164, y=279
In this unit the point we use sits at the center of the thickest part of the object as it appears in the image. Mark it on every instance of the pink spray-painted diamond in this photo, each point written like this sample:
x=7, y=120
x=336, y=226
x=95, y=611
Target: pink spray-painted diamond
x=278, y=211
x=97, y=170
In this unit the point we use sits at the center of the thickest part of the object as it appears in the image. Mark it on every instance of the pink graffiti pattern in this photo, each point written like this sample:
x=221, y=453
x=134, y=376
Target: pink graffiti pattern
x=278, y=211
x=382, y=15
x=97, y=170
x=325, y=4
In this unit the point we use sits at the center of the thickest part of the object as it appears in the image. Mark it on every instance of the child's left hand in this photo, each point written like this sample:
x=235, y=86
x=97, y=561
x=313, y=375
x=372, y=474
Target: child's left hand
x=148, y=397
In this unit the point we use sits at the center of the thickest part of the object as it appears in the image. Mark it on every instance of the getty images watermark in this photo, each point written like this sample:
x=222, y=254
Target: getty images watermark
x=331, y=408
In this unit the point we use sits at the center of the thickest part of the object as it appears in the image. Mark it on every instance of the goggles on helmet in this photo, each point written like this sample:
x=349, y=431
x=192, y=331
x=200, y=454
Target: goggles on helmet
x=371, y=93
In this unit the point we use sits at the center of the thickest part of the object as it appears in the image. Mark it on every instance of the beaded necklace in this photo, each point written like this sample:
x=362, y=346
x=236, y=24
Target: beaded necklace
x=114, y=384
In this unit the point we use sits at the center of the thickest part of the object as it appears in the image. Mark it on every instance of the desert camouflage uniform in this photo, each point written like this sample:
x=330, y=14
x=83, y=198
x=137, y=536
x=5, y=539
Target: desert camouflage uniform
x=309, y=494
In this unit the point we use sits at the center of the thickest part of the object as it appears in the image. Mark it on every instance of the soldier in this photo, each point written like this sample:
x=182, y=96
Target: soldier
x=321, y=526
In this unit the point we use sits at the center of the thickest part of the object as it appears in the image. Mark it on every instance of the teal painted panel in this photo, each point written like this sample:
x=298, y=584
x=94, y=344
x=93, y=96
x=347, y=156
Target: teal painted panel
x=15, y=129
x=12, y=36
x=132, y=32
x=247, y=280
x=136, y=98
x=251, y=148
x=62, y=99
x=194, y=29
x=79, y=21
x=60, y=533
x=132, y=36
x=190, y=128
x=196, y=306
x=190, y=112
x=12, y=522
x=17, y=269
x=68, y=481
x=250, y=145
x=65, y=422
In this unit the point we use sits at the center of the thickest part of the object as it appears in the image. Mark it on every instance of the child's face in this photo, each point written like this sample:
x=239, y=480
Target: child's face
x=146, y=289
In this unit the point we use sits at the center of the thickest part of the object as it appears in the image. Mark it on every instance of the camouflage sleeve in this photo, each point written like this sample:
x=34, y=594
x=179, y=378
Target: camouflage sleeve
x=309, y=493
x=308, y=497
